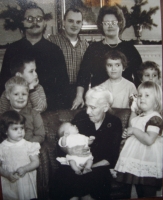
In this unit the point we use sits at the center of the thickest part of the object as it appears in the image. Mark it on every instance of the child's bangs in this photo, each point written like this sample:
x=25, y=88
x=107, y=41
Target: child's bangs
x=156, y=92
x=12, y=117
x=20, y=120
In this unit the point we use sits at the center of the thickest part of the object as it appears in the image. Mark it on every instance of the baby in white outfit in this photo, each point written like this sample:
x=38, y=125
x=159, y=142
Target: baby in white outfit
x=71, y=138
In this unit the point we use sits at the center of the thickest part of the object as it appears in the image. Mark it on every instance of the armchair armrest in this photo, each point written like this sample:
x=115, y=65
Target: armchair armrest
x=123, y=114
x=43, y=173
x=48, y=153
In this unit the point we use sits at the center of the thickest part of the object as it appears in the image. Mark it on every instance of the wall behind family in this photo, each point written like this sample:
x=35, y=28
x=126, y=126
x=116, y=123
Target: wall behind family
x=155, y=33
x=50, y=6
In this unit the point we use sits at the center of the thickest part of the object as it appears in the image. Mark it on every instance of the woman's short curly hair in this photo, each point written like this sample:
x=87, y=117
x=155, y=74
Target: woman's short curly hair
x=106, y=10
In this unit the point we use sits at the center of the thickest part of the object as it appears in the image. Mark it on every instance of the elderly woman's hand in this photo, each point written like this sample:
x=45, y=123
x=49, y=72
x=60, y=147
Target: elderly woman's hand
x=77, y=102
x=91, y=140
x=101, y=163
x=113, y=173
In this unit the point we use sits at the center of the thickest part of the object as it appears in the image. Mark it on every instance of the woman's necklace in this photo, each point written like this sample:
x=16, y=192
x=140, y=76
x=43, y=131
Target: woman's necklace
x=111, y=45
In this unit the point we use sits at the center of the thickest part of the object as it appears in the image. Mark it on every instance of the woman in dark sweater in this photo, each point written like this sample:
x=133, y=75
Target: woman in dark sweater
x=110, y=23
x=107, y=129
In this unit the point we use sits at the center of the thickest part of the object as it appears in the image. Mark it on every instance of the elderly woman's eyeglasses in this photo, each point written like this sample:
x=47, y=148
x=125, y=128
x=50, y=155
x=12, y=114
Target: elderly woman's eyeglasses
x=108, y=23
x=31, y=19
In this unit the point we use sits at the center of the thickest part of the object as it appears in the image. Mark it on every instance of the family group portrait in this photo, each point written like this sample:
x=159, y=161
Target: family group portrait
x=81, y=100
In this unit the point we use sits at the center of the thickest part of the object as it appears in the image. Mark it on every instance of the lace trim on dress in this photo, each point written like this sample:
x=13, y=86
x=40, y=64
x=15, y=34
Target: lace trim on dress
x=138, y=168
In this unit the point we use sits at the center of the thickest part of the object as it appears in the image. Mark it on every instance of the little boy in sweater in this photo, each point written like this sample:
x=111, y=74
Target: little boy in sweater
x=24, y=66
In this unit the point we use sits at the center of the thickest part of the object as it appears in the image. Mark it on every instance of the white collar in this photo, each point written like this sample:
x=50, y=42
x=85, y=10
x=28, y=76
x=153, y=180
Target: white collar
x=9, y=144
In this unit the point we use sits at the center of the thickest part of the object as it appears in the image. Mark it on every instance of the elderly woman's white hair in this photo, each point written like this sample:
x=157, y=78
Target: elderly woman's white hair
x=101, y=94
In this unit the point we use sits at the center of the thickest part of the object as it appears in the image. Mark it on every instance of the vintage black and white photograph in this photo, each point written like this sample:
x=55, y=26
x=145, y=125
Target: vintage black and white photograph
x=84, y=69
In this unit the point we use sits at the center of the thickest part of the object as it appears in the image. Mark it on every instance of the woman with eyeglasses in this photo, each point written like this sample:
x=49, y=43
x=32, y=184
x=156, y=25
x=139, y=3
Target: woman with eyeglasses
x=110, y=23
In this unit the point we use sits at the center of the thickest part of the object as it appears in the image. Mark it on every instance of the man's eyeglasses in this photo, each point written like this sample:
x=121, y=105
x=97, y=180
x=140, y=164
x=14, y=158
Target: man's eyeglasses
x=108, y=23
x=31, y=19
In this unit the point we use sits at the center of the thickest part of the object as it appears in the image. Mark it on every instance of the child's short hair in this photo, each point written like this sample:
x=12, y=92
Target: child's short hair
x=61, y=129
x=8, y=118
x=16, y=80
x=156, y=92
x=115, y=55
x=18, y=62
x=148, y=65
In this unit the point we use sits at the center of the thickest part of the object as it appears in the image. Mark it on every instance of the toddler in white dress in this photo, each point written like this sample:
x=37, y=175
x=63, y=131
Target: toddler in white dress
x=140, y=161
x=18, y=159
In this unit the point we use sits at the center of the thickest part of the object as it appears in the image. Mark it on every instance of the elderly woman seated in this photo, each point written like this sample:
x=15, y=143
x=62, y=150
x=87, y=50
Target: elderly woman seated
x=107, y=129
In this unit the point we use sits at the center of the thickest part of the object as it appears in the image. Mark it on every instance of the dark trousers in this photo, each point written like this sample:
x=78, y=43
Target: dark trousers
x=146, y=191
x=66, y=184
x=69, y=96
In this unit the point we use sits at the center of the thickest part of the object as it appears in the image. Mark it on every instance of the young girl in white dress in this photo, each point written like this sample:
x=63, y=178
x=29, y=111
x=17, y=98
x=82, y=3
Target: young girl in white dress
x=140, y=161
x=18, y=159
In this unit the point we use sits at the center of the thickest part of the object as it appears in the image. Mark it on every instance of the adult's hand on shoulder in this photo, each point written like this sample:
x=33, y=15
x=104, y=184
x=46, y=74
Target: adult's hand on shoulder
x=77, y=102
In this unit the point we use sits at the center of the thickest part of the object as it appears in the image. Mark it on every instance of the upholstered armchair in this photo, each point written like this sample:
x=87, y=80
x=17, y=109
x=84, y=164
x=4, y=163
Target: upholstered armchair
x=48, y=163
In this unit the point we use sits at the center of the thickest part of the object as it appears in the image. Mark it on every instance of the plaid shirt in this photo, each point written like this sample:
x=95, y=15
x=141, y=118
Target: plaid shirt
x=73, y=54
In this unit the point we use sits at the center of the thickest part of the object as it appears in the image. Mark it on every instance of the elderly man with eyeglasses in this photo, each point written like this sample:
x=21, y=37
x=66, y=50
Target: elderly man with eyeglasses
x=51, y=66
